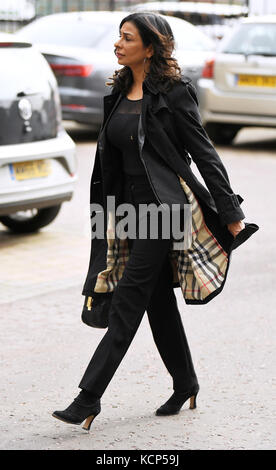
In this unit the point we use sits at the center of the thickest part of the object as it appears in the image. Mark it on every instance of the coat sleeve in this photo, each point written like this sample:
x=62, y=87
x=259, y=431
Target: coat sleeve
x=196, y=141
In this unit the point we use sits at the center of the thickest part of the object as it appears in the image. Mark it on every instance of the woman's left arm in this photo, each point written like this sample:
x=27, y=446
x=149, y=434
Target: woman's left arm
x=196, y=141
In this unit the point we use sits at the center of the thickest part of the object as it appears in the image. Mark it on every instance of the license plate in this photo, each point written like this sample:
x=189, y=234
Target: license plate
x=256, y=80
x=28, y=170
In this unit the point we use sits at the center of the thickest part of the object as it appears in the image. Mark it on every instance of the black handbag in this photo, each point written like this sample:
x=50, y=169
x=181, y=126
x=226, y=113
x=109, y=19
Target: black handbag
x=95, y=310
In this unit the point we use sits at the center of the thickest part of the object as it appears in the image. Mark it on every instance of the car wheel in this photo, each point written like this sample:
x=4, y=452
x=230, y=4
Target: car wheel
x=30, y=220
x=222, y=134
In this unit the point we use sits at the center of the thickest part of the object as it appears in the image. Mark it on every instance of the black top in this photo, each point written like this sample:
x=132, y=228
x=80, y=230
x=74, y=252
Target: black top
x=122, y=132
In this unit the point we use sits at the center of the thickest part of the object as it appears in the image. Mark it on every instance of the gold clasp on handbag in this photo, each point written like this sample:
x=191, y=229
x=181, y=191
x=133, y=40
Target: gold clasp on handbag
x=89, y=303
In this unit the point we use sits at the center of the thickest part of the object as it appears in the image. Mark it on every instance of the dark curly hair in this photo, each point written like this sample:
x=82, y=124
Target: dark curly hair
x=164, y=70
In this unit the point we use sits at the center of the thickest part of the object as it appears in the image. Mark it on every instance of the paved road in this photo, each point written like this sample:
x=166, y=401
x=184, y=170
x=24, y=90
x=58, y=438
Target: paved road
x=45, y=348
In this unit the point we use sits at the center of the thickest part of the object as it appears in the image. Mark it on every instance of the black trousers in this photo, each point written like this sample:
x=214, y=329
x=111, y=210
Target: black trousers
x=146, y=285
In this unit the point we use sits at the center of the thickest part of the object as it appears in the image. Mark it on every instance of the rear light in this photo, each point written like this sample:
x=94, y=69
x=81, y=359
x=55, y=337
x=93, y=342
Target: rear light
x=71, y=70
x=15, y=44
x=74, y=106
x=208, y=69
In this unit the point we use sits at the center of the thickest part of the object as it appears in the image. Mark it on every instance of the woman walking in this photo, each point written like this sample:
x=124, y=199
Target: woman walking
x=151, y=124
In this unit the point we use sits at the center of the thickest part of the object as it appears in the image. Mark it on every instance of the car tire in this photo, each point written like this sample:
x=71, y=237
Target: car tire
x=25, y=223
x=222, y=134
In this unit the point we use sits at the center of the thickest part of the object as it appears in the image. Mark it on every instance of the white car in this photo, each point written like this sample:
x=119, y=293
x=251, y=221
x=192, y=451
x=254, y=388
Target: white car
x=37, y=156
x=238, y=87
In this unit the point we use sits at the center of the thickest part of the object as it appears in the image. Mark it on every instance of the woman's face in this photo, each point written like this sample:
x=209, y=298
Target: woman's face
x=130, y=49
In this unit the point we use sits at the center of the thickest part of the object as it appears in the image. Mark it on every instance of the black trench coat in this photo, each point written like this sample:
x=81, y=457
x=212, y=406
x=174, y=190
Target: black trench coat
x=170, y=133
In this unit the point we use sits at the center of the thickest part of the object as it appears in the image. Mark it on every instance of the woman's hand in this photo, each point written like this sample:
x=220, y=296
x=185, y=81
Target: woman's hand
x=236, y=227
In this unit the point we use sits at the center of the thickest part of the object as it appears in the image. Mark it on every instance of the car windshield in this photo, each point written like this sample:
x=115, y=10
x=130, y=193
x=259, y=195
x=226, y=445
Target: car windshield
x=78, y=32
x=251, y=39
x=72, y=32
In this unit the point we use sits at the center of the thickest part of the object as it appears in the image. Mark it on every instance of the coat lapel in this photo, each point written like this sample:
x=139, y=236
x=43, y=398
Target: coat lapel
x=110, y=103
x=159, y=102
x=155, y=101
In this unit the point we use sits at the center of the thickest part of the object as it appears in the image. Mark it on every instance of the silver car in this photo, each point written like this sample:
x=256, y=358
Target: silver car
x=79, y=46
x=238, y=87
x=37, y=156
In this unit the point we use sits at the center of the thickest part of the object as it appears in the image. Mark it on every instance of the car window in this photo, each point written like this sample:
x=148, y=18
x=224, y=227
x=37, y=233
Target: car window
x=72, y=32
x=106, y=42
x=251, y=39
x=23, y=72
x=191, y=39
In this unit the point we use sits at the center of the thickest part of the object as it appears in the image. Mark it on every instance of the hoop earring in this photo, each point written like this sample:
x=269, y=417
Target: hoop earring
x=145, y=59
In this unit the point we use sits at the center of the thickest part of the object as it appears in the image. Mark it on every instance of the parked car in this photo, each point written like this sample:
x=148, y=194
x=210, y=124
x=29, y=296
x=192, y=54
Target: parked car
x=37, y=156
x=238, y=87
x=79, y=46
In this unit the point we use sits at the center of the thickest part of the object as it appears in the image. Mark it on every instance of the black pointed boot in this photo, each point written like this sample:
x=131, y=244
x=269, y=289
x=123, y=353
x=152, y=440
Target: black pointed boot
x=82, y=408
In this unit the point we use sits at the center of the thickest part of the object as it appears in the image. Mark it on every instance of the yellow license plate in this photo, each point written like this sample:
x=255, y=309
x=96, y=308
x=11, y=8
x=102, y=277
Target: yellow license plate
x=32, y=169
x=256, y=80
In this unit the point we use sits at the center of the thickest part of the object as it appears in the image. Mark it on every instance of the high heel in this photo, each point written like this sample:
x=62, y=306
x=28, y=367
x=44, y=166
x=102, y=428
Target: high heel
x=193, y=402
x=88, y=422
x=174, y=404
x=79, y=411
